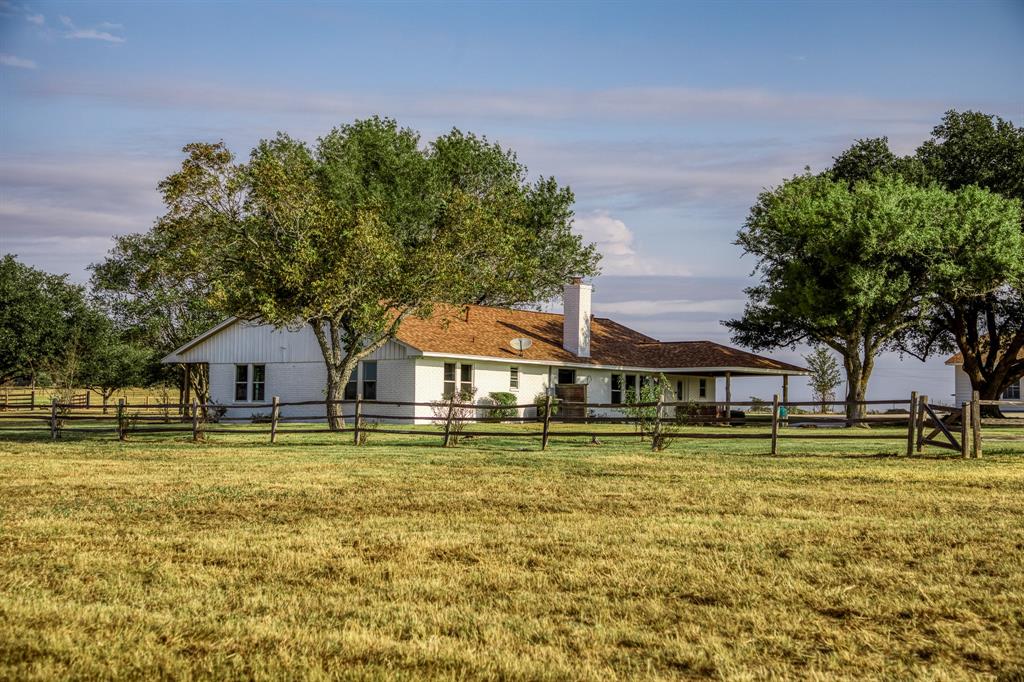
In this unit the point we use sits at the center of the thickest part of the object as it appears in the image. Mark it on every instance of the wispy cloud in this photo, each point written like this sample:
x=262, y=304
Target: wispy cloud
x=37, y=19
x=17, y=62
x=655, y=104
x=96, y=33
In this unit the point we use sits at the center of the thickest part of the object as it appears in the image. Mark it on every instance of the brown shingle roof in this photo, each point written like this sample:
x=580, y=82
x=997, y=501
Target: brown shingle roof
x=958, y=359
x=485, y=331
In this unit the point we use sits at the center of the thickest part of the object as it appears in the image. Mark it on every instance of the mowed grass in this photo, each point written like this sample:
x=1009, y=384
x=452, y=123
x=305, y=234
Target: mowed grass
x=399, y=559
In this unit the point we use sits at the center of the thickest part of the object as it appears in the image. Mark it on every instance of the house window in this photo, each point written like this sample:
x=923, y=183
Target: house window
x=466, y=379
x=250, y=383
x=645, y=381
x=352, y=387
x=449, y=380
x=567, y=376
x=241, y=383
x=630, y=387
x=370, y=380
x=513, y=378
x=616, y=389
x=679, y=390
x=703, y=393
x=1012, y=392
x=259, y=383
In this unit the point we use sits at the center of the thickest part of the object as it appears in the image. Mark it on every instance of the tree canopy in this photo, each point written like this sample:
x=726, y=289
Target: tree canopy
x=365, y=228
x=840, y=266
x=977, y=291
x=38, y=317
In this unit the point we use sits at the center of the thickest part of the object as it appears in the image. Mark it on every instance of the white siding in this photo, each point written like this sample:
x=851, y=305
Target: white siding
x=963, y=388
x=262, y=344
x=295, y=370
x=962, y=385
x=488, y=377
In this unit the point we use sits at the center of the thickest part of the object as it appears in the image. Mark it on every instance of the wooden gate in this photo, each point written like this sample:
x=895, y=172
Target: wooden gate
x=941, y=434
x=572, y=393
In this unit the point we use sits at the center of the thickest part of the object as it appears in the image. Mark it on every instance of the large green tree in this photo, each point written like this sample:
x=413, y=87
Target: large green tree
x=840, y=265
x=37, y=319
x=105, y=361
x=152, y=304
x=364, y=229
x=978, y=286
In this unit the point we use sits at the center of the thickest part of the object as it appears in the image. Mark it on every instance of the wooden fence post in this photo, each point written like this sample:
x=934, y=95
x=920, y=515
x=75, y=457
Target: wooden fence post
x=53, y=419
x=656, y=436
x=911, y=422
x=976, y=422
x=120, y=419
x=275, y=414
x=32, y=400
x=547, y=423
x=775, y=424
x=355, y=418
x=965, y=429
x=922, y=405
x=88, y=393
x=448, y=421
x=195, y=420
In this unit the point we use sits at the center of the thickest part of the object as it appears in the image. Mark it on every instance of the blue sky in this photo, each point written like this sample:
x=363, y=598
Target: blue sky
x=665, y=118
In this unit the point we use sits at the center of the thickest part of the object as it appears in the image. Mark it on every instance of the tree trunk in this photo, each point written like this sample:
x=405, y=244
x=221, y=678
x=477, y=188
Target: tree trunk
x=338, y=341
x=335, y=392
x=339, y=368
x=858, y=372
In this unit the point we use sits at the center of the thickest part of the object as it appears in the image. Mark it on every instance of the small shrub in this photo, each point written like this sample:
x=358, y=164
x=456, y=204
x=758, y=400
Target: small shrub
x=365, y=429
x=687, y=413
x=508, y=400
x=539, y=401
x=461, y=411
x=260, y=418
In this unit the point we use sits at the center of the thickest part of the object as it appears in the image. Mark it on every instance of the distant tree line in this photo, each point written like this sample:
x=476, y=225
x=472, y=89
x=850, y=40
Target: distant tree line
x=920, y=254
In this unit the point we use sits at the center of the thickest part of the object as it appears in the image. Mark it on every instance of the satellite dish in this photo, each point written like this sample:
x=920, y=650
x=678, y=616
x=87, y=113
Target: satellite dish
x=520, y=344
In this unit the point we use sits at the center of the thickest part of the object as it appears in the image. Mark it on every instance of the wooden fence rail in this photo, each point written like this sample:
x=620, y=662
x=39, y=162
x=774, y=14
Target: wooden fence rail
x=950, y=428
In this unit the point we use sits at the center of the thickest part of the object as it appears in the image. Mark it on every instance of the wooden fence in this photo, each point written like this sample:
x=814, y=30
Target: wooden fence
x=922, y=425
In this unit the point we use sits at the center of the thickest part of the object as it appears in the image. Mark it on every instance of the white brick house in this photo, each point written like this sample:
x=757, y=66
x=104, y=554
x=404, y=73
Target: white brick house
x=463, y=348
x=963, y=390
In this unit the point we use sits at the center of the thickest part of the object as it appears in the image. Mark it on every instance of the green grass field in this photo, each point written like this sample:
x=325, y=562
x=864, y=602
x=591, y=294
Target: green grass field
x=399, y=559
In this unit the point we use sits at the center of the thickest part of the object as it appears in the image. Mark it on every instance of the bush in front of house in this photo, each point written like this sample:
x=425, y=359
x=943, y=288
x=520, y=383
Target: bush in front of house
x=539, y=401
x=506, y=405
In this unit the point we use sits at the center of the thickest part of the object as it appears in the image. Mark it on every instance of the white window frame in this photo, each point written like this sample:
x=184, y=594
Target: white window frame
x=513, y=378
x=250, y=371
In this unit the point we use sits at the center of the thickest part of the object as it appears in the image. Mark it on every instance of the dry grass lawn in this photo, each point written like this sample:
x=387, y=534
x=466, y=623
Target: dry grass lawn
x=314, y=559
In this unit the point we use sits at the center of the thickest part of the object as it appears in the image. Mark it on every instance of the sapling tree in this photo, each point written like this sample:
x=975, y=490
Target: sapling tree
x=824, y=375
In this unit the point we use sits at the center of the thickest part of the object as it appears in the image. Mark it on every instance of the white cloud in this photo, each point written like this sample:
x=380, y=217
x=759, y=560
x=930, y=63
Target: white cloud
x=74, y=32
x=17, y=62
x=37, y=19
x=613, y=239
x=615, y=242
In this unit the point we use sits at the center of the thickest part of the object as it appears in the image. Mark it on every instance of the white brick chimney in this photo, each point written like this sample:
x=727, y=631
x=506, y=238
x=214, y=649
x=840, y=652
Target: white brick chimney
x=576, y=327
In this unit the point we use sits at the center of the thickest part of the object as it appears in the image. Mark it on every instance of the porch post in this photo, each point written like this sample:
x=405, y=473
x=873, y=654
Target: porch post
x=728, y=398
x=187, y=397
x=785, y=388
